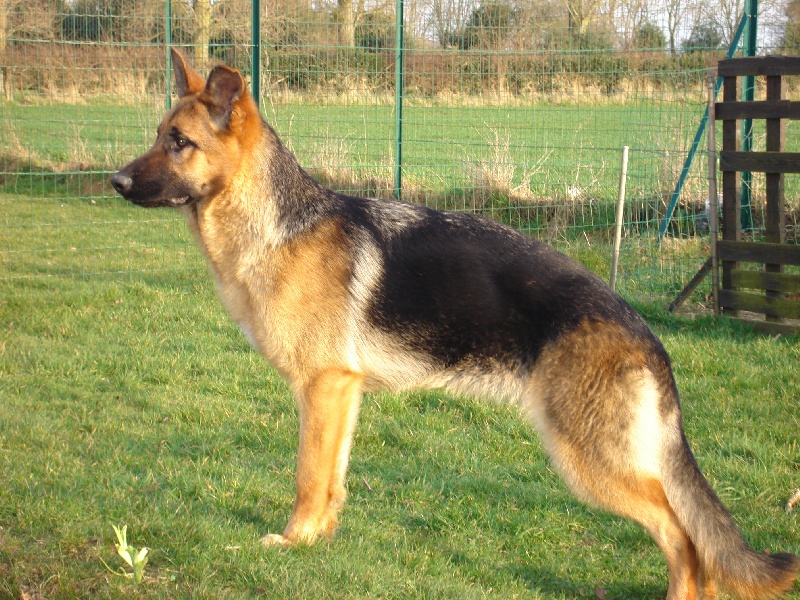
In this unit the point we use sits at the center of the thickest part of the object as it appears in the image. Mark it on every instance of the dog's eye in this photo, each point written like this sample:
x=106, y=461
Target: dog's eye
x=179, y=140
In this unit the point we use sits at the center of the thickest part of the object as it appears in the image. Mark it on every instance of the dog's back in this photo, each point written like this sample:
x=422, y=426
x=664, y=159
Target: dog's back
x=469, y=295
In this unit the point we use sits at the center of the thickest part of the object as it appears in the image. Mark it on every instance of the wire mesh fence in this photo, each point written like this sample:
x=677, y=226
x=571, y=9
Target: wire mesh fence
x=514, y=109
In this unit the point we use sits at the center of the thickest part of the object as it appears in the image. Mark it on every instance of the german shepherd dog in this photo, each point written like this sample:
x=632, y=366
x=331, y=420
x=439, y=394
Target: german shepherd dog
x=348, y=295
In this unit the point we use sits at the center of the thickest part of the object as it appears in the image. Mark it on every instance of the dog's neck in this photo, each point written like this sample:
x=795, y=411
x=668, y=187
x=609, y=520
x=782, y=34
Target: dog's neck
x=276, y=202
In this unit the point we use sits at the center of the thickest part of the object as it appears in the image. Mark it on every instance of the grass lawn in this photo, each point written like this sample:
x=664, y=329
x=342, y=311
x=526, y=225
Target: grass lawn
x=128, y=398
x=558, y=148
x=578, y=145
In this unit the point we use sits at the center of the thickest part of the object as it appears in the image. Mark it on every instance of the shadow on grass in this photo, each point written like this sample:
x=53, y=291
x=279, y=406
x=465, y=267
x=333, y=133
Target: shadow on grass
x=545, y=581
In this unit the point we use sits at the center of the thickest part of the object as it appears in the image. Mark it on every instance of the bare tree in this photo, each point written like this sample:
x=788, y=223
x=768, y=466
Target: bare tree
x=790, y=36
x=725, y=14
x=448, y=17
x=215, y=20
x=774, y=16
x=581, y=13
x=347, y=14
x=202, y=30
x=629, y=18
x=345, y=18
x=535, y=23
x=677, y=13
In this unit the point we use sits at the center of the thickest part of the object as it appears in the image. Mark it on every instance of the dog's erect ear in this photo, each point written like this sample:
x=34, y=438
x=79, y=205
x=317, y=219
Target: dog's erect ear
x=187, y=80
x=224, y=88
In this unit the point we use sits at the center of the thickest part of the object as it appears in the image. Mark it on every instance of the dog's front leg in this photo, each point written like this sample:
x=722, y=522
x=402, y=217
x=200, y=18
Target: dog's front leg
x=329, y=406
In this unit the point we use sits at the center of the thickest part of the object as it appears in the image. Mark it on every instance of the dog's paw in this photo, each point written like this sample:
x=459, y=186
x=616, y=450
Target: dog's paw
x=275, y=540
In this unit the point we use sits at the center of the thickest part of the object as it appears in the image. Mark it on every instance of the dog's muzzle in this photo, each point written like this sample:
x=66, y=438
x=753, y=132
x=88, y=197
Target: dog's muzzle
x=124, y=185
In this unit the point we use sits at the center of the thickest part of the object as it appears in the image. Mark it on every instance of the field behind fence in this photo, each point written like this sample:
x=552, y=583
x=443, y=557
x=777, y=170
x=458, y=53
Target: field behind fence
x=516, y=112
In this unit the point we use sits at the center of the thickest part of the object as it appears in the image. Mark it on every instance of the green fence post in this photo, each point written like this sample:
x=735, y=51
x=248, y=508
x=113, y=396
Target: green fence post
x=676, y=194
x=398, y=99
x=255, y=39
x=748, y=95
x=168, y=46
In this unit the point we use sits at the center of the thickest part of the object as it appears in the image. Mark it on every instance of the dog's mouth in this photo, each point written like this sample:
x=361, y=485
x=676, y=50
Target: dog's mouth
x=167, y=202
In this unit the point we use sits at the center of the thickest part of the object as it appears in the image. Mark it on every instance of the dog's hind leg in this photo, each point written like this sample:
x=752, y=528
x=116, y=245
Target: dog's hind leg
x=641, y=498
x=609, y=428
x=622, y=488
x=646, y=503
x=329, y=406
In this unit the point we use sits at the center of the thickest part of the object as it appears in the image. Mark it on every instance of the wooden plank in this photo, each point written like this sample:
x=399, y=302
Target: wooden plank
x=776, y=142
x=759, y=65
x=775, y=221
x=730, y=179
x=769, y=109
x=691, y=286
x=731, y=202
x=771, y=327
x=760, y=162
x=731, y=225
x=757, y=303
x=775, y=254
x=761, y=280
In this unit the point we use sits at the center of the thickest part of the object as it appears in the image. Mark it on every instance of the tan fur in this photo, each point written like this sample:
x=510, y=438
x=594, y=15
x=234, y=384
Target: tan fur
x=296, y=321
x=310, y=303
x=294, y=316
x=328, y=408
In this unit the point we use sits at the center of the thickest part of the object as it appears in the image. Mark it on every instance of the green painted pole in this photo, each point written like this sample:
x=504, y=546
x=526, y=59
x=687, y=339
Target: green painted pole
x=748, y=95
x=255, y=38
x=676, y=194
x=398, y=100
x=168, y=46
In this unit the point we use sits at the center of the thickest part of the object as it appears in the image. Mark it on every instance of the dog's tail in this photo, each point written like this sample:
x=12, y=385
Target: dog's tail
x=724, y=555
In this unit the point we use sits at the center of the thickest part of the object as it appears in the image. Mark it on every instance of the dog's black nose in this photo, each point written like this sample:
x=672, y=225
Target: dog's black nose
x=122, y=183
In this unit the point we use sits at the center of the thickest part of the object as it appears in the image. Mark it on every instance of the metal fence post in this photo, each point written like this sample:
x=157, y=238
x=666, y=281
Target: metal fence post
x=398, y=99
x=748, y=95
x=673, y=202
x=255, y=39
x=168, y=47
x=623, y=178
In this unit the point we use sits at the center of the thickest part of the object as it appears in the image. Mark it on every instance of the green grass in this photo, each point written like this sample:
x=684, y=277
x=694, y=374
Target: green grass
x=42, y=238
x=582, y=142
x=578, y=146
x=128, y=397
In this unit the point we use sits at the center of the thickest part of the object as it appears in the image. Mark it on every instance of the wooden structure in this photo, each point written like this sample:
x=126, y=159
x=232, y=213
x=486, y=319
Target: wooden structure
x=768, y=290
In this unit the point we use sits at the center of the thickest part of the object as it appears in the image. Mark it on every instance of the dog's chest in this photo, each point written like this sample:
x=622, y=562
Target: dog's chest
x=290, y=300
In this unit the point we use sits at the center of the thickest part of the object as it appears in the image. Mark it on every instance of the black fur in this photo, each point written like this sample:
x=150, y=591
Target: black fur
x=468, y=291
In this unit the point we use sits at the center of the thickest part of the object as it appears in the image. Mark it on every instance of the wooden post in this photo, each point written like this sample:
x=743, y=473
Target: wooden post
x=775, y=220
x=713, y=206
x=731, y=224
x=623, y=178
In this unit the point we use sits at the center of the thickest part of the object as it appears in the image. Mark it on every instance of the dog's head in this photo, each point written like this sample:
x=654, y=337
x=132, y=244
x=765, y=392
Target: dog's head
x=200, y=143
